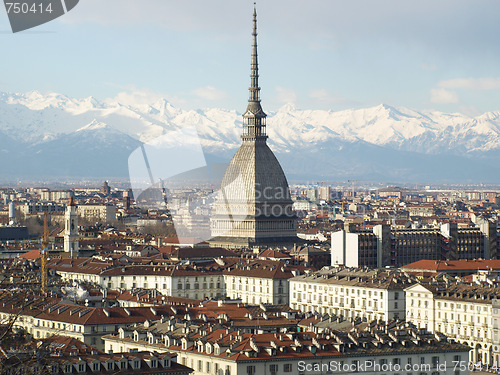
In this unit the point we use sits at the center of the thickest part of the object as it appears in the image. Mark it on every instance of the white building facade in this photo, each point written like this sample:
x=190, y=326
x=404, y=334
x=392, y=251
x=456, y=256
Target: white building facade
x=351, y=293
x=462, y=312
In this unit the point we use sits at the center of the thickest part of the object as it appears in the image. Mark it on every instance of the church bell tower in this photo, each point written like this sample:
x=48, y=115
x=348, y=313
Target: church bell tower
x=71, y=229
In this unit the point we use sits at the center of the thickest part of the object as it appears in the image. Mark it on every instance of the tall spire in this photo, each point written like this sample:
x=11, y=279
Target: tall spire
x=254, y=119
x=254, y=73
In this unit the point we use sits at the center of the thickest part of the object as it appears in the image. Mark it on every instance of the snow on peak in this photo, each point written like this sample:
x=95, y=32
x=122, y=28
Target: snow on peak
x=34, y=116
x=94, y=125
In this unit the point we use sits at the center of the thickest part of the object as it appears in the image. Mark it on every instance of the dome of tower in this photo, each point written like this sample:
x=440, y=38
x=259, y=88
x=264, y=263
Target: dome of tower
x=262, y=177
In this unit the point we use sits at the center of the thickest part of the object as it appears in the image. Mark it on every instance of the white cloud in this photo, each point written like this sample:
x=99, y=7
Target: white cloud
x=443, y=96
x=471, y=83
x=286, y=95
x=209, y=93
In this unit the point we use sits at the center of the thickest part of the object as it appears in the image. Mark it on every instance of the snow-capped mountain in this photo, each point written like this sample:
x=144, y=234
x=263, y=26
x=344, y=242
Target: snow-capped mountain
x=53, y=135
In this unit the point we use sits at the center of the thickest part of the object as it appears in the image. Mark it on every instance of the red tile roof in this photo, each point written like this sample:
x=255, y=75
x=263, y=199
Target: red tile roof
x=462, y=265
x=68, y=346
x=31, y=255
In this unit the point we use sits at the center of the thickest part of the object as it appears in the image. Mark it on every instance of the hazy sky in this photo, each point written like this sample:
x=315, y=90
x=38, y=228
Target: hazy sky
x=327, y=54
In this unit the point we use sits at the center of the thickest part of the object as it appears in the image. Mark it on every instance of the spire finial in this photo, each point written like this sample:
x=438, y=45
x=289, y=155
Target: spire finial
x=254, y=117
x=254, y=73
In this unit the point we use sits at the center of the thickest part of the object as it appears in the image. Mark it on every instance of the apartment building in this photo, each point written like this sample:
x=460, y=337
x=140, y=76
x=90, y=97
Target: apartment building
x=227, y=351
x=351, y=293
x=147, y=363
x=382, y=246
x=34, y=208
x=58, y=196
x=46, y=316
x=179, y=281
x=462, y=312
x=249, y=280
x=93, y=212
x=259, y=281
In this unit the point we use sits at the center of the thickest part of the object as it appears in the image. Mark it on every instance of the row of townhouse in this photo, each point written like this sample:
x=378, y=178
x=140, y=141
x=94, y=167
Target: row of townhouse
x=351, y=293
x=46, y=316
x=249, y=280
x=379, y=349
x=463, y=312
x=91, y=212
x=146, y=363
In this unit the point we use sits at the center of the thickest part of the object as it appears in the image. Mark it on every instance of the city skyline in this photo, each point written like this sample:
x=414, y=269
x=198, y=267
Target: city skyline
x=423, y=56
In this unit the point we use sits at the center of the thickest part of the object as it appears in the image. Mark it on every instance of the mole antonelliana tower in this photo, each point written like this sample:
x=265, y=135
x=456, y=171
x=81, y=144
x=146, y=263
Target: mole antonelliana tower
x=254, y=205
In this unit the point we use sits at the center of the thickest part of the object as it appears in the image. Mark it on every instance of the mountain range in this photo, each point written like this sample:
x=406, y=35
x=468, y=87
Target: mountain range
x=52, y=136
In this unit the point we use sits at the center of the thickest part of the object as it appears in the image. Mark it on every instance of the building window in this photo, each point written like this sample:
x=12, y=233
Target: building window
x=435, y=362
x=287, y=367
x=273, y=369
x=250, y=370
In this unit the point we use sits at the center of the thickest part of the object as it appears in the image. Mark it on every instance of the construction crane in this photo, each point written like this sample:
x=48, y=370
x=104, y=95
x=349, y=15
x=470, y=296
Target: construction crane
x=45, y=250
